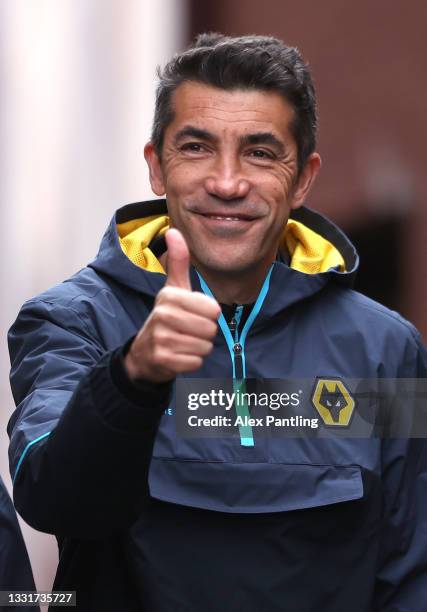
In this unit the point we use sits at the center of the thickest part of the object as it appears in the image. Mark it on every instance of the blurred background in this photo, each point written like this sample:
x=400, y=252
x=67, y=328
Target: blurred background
x=77, y=81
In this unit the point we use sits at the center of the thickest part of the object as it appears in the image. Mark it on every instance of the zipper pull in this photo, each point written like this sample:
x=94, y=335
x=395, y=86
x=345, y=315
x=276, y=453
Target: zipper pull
x=237, y=349
x=238, y=361
x=237, y=316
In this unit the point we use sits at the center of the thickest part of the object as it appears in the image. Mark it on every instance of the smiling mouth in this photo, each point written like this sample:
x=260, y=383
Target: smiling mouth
x=220, y=217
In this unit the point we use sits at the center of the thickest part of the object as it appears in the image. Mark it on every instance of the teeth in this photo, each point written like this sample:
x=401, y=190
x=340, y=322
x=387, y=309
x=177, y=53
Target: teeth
x=224, y=218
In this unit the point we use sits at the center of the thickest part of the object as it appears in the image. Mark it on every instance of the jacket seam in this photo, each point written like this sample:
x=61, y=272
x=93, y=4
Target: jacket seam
x=184, y=460
x=386, y=312
x=352, y=495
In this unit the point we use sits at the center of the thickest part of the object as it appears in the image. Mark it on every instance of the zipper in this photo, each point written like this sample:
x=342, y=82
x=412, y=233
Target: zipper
x=235, y=321
x=239, y=383
x=236, y=348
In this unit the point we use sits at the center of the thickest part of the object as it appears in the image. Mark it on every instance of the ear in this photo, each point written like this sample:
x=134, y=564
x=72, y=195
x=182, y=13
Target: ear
x=155, y=169
x=305, y=180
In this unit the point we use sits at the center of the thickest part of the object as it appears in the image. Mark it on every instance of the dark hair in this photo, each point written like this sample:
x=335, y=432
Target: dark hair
x=246, y=62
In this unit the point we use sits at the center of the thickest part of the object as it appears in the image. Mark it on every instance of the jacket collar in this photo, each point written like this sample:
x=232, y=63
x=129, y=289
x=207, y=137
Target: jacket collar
x=320, y=253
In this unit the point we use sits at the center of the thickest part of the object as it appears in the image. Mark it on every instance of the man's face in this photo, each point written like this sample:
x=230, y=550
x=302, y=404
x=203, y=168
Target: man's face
x=229, y=170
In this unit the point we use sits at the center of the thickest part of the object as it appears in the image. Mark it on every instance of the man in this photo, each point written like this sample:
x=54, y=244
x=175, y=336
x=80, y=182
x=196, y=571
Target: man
x=150, y=520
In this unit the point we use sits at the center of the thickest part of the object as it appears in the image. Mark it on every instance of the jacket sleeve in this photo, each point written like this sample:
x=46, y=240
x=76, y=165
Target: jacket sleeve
x=80, y=449
x=401, y=584
x=15, y=568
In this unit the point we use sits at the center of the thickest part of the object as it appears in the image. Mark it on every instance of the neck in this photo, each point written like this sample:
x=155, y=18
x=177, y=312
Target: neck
x=240, y=288
x=237, y=288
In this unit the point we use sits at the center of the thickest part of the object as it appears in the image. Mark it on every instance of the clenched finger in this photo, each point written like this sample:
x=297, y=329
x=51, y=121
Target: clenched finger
x=170, y=317
x=190, y=301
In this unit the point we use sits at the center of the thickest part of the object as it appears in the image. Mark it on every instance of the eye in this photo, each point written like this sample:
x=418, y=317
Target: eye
x=192, y=147
x=261, y=154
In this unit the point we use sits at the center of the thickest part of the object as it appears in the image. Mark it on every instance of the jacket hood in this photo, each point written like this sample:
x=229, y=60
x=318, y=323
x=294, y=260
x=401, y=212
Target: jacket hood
x=319, y=252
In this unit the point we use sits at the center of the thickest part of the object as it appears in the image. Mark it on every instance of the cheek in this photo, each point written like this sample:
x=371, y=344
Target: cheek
x=181, y=180
x=276, y=191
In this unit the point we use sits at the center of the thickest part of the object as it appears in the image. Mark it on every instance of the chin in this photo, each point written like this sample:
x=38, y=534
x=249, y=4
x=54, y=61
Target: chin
x=226, y=265
x=228, y=258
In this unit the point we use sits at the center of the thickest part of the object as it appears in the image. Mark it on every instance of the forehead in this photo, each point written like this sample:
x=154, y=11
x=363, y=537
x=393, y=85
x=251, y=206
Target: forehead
x=236, y=111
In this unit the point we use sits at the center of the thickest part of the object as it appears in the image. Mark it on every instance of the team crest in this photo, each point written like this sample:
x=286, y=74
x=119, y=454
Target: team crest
x=333, y=401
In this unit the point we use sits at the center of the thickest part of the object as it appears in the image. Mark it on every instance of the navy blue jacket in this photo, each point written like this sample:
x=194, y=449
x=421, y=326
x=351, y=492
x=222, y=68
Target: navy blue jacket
x=148, y=520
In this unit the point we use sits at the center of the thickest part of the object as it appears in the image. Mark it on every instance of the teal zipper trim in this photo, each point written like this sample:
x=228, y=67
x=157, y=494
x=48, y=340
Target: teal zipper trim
x=25, y=451
x=242, y=410
x=239, y=386
x=254, y=312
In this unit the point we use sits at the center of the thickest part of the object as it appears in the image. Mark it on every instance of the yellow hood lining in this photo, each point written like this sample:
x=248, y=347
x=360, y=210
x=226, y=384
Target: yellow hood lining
x=309, y=252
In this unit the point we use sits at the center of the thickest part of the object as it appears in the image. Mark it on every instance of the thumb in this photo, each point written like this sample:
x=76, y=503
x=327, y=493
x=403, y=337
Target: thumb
x=178, y=262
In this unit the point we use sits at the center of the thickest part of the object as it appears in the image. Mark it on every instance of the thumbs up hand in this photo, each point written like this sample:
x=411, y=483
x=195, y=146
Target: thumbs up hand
x=178, y=260
x=178, y=333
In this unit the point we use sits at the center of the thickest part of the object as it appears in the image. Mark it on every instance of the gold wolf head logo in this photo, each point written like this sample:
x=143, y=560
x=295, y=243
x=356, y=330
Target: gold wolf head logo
x=333, y=402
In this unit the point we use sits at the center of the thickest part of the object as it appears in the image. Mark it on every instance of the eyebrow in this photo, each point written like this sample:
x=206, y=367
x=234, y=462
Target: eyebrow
x=192, y=132
x=266, y=138
x=257, y=138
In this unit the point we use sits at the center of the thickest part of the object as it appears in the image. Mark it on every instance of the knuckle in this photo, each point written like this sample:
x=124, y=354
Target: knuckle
x=211, y=329
x=198, y=362
x=160, y=335
x=212, y=305
x=159, y=356
x=189, y=365
x=160, y=298
x=194, y=363
x=166, y=295
x=209, y=348
x=159, y=312
x=206, y=348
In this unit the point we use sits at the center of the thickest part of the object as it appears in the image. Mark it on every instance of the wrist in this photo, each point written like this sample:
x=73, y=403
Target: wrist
x=132, y=370
x=138, y=374
x=139, y=391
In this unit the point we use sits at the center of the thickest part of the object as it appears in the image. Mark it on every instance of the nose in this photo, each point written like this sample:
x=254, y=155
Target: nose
x=225, y=179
